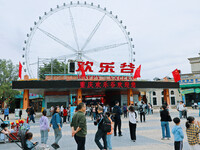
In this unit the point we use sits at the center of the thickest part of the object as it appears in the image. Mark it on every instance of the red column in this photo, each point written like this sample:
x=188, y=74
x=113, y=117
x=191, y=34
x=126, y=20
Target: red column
x=130, y=97
x=79, y=96
x=166, y=96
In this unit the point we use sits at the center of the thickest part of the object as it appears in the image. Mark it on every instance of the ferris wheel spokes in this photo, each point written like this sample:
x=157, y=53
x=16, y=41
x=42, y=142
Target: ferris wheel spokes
x=93, y=32
x=108, y=47
x=88, y=58
x=64, y=56
x=57, y=40
x=73, y=28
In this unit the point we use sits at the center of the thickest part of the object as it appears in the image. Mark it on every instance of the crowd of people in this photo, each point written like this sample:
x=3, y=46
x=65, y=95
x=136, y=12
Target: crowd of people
x=192, y=128
x=108, y=122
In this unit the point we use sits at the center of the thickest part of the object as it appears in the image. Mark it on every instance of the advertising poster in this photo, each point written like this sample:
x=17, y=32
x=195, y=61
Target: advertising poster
x=72, y=111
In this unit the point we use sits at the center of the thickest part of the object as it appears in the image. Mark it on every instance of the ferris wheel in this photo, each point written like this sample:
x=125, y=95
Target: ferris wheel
x=77, y=31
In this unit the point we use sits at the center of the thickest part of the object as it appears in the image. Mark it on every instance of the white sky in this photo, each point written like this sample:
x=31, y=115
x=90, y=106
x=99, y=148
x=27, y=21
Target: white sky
x=165, y=33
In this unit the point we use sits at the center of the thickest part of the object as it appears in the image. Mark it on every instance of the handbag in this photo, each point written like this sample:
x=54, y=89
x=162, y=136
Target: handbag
x=169, y=118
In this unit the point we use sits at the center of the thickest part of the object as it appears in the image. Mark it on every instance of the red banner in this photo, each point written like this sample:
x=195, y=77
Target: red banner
x=176, y=75
x=20, y=70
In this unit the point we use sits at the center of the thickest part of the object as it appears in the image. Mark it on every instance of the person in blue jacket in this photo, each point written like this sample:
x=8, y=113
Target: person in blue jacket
x=178, y=134
x=56, y=121
x=6, y=113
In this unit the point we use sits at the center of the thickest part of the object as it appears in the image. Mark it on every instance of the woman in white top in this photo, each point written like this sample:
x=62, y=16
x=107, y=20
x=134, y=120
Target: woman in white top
x=132, y=123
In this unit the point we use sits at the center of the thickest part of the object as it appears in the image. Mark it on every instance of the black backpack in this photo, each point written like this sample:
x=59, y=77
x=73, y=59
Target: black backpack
x=141, y=110
x=114, y=110
x=106, y=124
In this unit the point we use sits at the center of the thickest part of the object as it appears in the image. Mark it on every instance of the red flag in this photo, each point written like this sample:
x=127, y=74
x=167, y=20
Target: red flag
x=83, y=70
x=20, y=70
x=176, y=75
x=137, y=73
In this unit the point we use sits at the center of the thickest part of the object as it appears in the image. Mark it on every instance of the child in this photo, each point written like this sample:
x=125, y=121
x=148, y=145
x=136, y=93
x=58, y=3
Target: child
x=29, y=144
x=178, y=134
x=192, y=131
x=109, y=134
x=3, y=128
x=44, y=127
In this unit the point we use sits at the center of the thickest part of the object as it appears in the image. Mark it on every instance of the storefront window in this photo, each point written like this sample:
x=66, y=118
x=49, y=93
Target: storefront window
x=154, y=101
x=172, y=92
x=163, y=102
x=172, y=100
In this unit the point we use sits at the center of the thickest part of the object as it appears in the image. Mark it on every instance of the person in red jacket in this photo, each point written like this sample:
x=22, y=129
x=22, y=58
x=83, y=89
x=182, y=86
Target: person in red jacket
x=64, y=115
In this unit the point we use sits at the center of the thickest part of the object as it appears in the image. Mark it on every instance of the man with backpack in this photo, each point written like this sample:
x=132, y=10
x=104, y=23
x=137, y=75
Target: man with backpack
x=117, y=112
x=142, y=112
x=104, y=126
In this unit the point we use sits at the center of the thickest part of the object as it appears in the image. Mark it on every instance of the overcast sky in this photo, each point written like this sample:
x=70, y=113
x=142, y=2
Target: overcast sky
x=165, y=33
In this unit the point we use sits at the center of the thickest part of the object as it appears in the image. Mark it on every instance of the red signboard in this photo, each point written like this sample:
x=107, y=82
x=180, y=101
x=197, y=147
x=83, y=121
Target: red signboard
x=106, y=67
x=107, y=84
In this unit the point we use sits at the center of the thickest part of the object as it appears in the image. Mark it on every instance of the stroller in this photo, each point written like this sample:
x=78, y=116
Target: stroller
x=23, y=129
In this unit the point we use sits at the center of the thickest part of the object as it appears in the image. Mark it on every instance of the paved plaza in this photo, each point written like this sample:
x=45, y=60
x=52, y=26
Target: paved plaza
x=148, y=135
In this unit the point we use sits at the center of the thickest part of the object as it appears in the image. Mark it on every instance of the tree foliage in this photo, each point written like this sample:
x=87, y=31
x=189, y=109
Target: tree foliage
x=54, y=67
x=8, y=73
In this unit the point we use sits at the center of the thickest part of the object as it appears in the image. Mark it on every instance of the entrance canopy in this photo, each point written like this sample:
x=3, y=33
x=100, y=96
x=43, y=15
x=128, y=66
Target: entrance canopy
x=62, y=84
x=79, y=90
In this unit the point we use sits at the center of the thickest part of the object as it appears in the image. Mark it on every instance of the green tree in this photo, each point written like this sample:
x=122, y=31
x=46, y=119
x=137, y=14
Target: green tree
x=55, y=67
x=8, y=73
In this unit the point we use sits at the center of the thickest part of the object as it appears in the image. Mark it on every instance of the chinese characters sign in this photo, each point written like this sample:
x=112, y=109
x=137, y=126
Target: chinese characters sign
x=106, y=67
x=107, y=84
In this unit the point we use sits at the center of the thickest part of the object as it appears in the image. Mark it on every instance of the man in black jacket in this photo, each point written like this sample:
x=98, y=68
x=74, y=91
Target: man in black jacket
x=32, y=113
x=117, y=118
x=100, y=133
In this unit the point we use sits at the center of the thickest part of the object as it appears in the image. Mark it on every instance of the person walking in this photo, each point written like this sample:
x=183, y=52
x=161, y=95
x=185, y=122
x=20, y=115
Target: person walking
x=56, y=121
x=181, y=109
x=100, y=134
x=149, y=108
x=20, y=114
x=64, y=115
x=61, y=111
x=79, y=127
x=109, y=134
x=69, y=113
x=6, y=113
x=94, y=113
x=132, y=123
x=142, y=113
x=117, y=119
x=192, y=131
x=165, y=118
x=28, y=115
x=178, y=134
x=125, y=111
x=185, y=112
x=91, y=112
x=51, y=110
x=32, y=113
x=44, y=128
